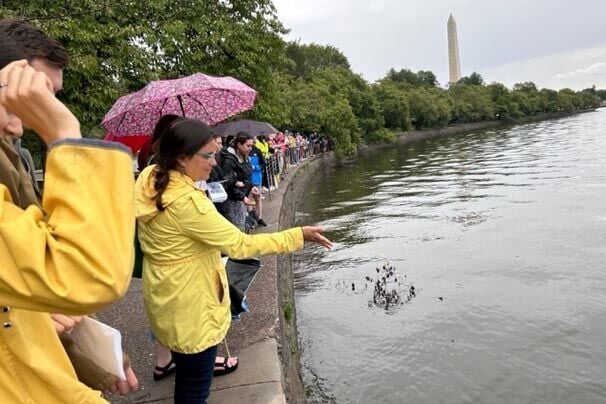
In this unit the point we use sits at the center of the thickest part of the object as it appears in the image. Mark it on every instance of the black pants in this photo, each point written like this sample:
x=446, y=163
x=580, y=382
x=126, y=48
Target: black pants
x=194, y=376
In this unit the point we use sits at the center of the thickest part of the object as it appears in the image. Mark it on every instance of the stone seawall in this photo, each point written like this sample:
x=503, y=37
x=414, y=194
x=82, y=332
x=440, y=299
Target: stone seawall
x=405, y=137
x=457, y=129
x=288, y=338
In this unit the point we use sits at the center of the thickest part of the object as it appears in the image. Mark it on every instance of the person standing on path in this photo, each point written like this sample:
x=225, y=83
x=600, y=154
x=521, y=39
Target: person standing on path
x=182, y=236
x=237, y=173
x=257, y=163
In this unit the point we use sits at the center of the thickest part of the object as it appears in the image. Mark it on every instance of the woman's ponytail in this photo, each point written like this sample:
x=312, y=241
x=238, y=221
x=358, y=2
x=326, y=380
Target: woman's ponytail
x=162, y=176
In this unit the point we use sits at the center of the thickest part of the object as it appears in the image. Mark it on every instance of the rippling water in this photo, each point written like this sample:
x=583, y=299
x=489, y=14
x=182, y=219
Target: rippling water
x=508, y=227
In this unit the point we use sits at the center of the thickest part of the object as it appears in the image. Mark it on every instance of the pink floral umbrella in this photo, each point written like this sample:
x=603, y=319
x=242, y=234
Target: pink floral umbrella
x=206, y=98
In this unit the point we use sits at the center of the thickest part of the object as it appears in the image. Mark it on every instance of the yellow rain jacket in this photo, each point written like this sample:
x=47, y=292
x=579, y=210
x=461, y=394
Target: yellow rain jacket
x=184, y=280
x=75, y=258
x=263, y=146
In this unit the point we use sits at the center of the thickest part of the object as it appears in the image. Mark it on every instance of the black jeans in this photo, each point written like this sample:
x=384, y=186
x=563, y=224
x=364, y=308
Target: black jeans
x=194, y=376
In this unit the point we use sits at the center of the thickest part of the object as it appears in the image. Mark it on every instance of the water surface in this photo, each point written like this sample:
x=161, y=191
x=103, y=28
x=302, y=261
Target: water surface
x=507, y=227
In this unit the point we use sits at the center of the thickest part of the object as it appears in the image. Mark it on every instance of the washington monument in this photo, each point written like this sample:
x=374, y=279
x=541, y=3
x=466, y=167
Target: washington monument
x=454, y=65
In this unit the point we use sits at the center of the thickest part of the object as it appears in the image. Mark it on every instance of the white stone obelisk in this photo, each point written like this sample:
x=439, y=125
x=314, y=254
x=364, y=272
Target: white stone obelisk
x=454, y=65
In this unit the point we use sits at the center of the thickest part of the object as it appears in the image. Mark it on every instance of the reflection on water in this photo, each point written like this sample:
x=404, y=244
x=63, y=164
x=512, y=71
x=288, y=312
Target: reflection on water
x=504, y=232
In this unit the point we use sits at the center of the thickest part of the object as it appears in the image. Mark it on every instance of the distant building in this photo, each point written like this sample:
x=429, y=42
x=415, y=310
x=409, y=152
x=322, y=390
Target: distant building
x=454, y=65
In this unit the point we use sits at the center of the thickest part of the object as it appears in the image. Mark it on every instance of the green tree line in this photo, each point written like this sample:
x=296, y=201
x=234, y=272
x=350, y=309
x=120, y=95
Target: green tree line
x=116, y=47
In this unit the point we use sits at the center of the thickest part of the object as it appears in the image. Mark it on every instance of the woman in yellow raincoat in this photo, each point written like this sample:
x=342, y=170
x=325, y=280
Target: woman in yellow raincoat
x=73, y=256
x=182, y=236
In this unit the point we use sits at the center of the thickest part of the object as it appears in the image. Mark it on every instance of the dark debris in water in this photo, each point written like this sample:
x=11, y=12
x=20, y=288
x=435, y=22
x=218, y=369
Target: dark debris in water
x=389, y=289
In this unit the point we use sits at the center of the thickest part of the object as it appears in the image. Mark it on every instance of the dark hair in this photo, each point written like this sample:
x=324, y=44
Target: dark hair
x=240, y=138
x=182, y=137
x=228, y=140
x=35, y=43
x=9, y=51
x=149, y=148
x=161, y=126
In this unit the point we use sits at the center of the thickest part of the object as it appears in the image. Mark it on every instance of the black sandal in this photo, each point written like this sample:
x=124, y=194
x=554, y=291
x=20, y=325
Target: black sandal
x=222, y=368
x=165, y=371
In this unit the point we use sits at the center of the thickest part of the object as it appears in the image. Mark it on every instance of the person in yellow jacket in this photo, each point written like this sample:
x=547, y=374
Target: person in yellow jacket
x=74, y=255
x=182, y=236
x=17, y=174
x=262, y=145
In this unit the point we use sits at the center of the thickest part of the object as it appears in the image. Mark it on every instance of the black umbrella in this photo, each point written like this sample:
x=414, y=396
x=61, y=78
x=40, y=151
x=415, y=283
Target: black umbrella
x=254, y=128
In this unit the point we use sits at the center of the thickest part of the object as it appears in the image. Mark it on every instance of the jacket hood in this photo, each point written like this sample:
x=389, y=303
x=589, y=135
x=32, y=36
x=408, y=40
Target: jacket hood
x=231, y=152
x=145, y=202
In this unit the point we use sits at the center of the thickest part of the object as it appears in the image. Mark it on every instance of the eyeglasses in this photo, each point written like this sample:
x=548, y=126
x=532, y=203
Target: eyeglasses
x=207, y=156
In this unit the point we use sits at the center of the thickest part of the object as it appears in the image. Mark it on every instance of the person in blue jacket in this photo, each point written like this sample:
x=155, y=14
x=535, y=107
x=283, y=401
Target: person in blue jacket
x=257, y=162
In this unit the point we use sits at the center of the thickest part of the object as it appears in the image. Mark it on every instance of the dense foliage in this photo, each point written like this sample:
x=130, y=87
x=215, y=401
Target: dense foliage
x=117, y=46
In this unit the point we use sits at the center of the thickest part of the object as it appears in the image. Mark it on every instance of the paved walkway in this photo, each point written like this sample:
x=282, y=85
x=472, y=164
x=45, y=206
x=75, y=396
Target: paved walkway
x=253, y=339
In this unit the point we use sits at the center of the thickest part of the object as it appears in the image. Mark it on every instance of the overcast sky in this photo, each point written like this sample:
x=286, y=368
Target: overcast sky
x=555, y=43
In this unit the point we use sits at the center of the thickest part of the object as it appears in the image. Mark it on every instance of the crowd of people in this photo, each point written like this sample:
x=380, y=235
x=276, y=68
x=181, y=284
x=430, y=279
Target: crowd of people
x=291, y=148
x=68, y=251
x=248, y=167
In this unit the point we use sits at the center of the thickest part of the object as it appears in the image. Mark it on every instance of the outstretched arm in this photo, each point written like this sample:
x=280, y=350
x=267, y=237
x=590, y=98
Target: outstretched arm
x=213, y=229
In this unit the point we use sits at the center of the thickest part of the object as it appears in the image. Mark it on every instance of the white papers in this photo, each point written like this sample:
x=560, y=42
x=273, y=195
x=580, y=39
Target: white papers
x=101, y=343
x=216, y=192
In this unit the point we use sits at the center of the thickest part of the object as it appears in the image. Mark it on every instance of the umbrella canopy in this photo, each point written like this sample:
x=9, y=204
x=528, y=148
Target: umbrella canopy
x=134, y=142
x=205, y=98
x=254, y=128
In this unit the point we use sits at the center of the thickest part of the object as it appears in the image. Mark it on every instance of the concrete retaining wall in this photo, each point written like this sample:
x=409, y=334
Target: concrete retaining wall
x=413, y=136
x=288, y=337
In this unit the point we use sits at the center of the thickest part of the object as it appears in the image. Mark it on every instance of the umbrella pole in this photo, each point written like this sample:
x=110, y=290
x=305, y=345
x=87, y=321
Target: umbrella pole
x=181, y=104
